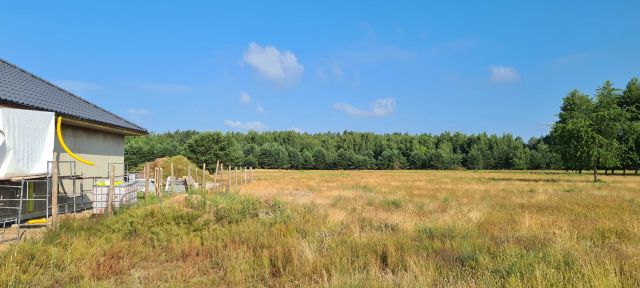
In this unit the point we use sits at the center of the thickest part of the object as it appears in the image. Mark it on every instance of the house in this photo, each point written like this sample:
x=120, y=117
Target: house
x=29, y=108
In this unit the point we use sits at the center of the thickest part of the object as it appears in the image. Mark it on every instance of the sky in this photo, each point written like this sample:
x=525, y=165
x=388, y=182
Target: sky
x=397, y=66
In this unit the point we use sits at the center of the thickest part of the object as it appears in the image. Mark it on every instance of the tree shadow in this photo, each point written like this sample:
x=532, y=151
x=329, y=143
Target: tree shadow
x=530, y=180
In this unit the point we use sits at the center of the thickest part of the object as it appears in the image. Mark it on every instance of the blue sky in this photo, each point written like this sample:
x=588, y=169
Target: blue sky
x=397, y=66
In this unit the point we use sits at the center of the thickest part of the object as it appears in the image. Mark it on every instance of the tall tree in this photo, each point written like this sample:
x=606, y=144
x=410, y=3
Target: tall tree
x=630, y=138
x=208, y=147
x=607, y=123
x=571, y=134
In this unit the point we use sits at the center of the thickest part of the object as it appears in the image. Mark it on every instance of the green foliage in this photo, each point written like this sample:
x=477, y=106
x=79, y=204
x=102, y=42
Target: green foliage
x=392, y=159
x=600, y=132
x=272, y=155
x=209, y=147
x=474, y=159
x=347, y=150
x=630, y=137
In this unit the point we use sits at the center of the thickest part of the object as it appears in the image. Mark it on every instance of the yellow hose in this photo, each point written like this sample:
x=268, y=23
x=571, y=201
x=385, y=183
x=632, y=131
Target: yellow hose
x=64, y=146
x=37, y=221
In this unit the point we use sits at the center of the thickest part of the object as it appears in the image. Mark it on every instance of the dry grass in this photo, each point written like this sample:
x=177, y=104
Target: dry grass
x=356, y=229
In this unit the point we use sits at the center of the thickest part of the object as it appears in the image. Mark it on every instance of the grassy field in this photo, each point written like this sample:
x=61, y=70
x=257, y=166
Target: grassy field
x=356, y=229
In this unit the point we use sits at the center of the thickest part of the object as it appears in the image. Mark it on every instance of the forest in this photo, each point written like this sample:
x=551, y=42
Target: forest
x=591, y=133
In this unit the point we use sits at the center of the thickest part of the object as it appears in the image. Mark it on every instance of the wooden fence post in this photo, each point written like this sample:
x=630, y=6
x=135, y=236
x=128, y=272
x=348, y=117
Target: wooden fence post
x=54, y=194
x=146, y=180
x=215, y=176
x=245, y=174
x=111, y=191
x=228, y=180
x=156, y=175
x=236, y=177
x=204, y=181
x=251, y=170
x=189, y=174
x=173, y=185
x=161, y=180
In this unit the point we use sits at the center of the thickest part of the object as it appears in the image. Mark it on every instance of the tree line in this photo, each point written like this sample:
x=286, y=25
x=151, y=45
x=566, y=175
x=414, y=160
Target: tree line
x=591, y=133
x=346, y=150
x=600, y=132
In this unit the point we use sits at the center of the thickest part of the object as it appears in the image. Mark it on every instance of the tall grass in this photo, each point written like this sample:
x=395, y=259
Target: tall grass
x=383, y=236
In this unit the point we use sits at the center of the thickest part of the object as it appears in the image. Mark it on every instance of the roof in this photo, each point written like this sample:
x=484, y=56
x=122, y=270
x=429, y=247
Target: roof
x=22, y=88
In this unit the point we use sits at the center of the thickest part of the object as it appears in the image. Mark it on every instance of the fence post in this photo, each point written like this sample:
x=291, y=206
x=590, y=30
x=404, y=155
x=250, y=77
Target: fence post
x=215, y=176
x=236, y=177
x=251, y=170
x=173, y=185
x=189, y=173
x=228, y=180
x=222, y=175
x=245, y=174
x=54, y=194
x=204, y=181
x=111, y=190
x=155, y=180
x=161, y=180
x=146, y=180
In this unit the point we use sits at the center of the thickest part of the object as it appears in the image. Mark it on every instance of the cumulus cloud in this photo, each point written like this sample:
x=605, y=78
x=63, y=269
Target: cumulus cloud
x=379, y=108
x=255, y=125
x=245, y=97
x=138, y=111
x=280, y=67
x=503, y=74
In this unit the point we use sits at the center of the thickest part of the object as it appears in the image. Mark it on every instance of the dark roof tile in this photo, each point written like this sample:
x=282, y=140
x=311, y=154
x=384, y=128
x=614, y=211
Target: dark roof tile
x=21, y=87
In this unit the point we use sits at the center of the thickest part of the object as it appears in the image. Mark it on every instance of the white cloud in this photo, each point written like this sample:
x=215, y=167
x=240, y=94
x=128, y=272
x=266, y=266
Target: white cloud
x=334, y=71
x=77, y=87
x=503, y=74
x=138, y=111
x=256, y=125
x=379, y=108
x=245, y=97
x=297, y=130
x=575, y=57
x=165, y=88
x=280, y=67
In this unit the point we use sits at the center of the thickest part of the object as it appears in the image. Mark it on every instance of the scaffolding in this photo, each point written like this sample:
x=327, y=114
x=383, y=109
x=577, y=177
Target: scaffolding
x=28, y=198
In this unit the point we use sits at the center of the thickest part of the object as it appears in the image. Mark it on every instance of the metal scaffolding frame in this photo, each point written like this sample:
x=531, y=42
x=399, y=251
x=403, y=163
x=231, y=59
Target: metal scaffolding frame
x=22, y=206
x=15, y=205
x=18, y=210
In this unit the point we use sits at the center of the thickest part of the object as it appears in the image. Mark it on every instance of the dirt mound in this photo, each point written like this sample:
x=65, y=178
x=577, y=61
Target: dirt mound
x=181, y=167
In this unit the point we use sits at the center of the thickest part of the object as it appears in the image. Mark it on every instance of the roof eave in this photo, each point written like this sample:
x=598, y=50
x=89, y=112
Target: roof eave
x=102, y=127
x=73, y=120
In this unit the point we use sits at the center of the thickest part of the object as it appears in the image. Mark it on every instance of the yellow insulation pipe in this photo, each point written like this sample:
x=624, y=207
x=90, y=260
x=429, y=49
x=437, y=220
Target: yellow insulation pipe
x=64, y=146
